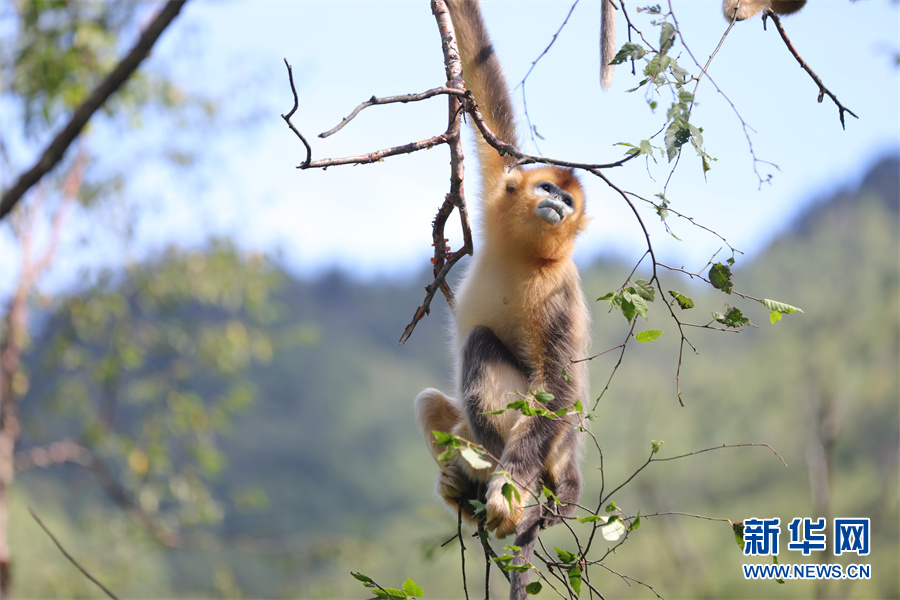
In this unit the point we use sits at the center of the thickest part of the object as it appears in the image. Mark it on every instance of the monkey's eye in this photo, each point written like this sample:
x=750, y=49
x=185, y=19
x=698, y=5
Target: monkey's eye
x=546, y=187
x=567, y=200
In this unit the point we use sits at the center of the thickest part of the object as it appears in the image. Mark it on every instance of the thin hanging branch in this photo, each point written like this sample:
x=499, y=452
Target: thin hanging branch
x=823, y=91
x=57, y=148
x=69, y=556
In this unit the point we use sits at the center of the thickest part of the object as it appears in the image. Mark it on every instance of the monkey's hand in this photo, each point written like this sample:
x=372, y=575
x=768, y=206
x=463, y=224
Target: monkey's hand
x=503, y=514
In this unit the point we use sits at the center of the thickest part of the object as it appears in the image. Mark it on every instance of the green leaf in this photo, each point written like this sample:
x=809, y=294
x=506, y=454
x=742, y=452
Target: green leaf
x=683, y=301
x=733, y=318
x=478, y=507
x=634, y=304
x=628, y=51
x=655, y=446
x=628, y=309
x=565, y=556
x=613, y=530
x=413, y=589
x=574, y=573
x=636, y=523
x=474, y=458
x=666, y=37
x=391, y=593
x=645, y=289
x=607, y=296
x=509, y=490
x=720, y=277
x=780, y=307
x=543, y=397
x=738, y=530
x=548, y=493
x=442, y=438
x=533, y=588
x=611, y=507
x=648, y=335
x=364, y=578
x=593, y=519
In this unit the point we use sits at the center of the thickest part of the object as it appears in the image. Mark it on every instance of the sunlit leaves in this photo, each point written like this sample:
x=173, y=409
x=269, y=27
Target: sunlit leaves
x=648, y=335
x=573, y=570
x=631, y=300
x=779, y=309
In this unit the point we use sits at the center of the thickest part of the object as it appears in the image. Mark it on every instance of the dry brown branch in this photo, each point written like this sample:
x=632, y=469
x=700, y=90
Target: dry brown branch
x=69, y=556
x=403, y=99
x=55, y=453
x=823, y=91
x=57, y=148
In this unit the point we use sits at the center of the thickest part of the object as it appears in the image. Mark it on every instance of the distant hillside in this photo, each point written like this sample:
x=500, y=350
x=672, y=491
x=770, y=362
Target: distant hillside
x=332, y=442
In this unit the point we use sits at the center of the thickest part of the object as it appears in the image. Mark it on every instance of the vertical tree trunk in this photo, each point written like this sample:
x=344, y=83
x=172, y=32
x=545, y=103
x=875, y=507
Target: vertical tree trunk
x=9, y=429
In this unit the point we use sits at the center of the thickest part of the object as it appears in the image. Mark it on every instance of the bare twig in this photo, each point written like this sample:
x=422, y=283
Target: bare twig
x=373, y=101
x=287, y=117
x=747, y=445
x=531, y=127
x=822, y=89
x=462, y=547
x=69, y=556
x=378, y=155
x=57, y=148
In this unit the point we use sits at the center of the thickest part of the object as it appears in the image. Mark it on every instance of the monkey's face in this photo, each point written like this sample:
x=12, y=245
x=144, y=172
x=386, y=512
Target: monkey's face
x=545, y=211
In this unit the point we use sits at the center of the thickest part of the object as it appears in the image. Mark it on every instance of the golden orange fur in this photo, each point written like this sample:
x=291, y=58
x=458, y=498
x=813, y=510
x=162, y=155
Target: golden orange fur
x=749, y=8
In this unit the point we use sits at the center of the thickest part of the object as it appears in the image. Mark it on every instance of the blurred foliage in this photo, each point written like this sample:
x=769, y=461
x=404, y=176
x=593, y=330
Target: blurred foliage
x=150, y=366
x=62, y=49
x=328, y=474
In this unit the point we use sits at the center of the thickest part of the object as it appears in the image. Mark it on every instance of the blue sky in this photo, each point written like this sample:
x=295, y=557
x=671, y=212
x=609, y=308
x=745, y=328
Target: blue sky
x=375, y=219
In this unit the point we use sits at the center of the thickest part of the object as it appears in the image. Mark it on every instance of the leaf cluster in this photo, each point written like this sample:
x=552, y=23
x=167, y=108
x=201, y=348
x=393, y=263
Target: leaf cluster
x=410, y=589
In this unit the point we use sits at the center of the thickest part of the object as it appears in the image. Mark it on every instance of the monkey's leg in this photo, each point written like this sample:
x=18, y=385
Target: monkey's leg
x=456, y=484
x=523, y=460
x=491, y=378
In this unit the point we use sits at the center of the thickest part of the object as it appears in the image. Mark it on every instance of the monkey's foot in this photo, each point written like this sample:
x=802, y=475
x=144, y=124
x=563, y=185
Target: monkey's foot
x=503, y=514
x=453, y=484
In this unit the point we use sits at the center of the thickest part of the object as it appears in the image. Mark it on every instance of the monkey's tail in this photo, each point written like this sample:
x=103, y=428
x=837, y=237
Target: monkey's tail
x=484, y=78
x=525, y=539
x=607, y=42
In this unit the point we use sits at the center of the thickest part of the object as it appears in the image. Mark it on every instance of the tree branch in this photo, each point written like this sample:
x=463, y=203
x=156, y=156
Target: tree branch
x=57, y=148
x=822, y=89
x=69, y=556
